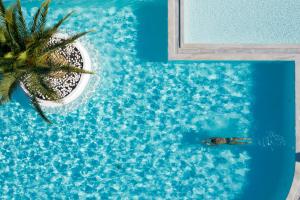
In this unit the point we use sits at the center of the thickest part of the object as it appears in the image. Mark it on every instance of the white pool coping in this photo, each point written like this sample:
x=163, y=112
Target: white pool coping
x=178, y=50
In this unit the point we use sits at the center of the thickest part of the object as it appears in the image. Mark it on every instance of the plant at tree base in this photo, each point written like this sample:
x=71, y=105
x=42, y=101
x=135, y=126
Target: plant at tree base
x=27, y=55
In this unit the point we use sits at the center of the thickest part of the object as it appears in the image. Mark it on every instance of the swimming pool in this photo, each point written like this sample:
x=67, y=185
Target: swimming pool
x=136, y=131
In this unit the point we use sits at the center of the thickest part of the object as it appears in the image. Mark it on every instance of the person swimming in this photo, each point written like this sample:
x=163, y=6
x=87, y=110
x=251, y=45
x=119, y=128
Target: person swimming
x=230, y=141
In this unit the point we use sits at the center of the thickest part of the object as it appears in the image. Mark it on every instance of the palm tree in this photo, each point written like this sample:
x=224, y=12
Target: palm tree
x=27, y=56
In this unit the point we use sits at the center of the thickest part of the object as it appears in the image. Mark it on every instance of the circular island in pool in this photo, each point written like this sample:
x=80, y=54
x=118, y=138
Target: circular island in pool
x=68, y=85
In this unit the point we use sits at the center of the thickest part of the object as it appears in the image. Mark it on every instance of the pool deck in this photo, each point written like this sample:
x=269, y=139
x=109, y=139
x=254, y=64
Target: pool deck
x=178, y=50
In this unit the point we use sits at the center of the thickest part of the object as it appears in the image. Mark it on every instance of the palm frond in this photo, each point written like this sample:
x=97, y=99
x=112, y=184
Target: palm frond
x=2, y=36
x=65, y=42
x=11, y=36
x=54, y=62
x=15, y=29
x=21, y=21
x=7, y=84
x=36, y=87
x=42, y=37
x=2, y=13
x=43, y=17
x=6, y=61
x=39, y=42
x=2, y=9
x=6, y=65
x=9, y=15
x=71, y=69
x=40, y=18
x=35, y=20
x=38, y=108
x=60, y=68
x=60, y=22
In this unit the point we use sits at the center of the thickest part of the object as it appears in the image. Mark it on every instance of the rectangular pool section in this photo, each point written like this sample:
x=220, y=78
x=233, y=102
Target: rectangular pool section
x=241, y=21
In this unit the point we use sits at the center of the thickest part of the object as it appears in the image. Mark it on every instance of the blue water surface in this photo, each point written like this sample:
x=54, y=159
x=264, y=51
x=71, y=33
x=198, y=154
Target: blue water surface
x=136, y=131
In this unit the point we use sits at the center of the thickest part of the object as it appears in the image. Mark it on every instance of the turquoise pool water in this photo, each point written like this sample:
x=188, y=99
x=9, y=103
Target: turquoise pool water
x=242, y=21
x=135, y=133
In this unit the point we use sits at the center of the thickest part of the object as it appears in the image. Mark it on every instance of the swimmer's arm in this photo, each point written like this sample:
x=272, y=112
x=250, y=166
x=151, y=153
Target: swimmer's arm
x=235, y=138
x=235, y=142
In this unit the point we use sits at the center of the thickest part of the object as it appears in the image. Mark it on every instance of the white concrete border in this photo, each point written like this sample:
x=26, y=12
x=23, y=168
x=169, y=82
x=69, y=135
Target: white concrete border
x=84, y=79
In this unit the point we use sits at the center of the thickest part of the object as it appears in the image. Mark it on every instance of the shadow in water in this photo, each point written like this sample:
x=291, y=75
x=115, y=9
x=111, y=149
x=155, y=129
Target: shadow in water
x=271, y=169
x=193, y=137
x=152, y=30
x=298, y=157
x=21, y=97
